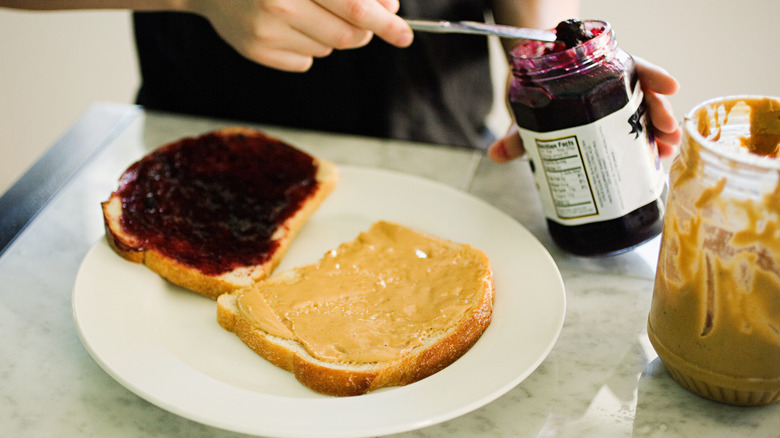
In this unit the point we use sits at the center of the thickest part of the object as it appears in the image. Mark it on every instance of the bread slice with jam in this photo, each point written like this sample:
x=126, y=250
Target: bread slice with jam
x=217, y=212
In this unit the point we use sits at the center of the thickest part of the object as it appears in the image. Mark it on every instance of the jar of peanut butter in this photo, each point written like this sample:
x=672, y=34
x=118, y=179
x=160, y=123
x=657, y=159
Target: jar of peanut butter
x=715, y=314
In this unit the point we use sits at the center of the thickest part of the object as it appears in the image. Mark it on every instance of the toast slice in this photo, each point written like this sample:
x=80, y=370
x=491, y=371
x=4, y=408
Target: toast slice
x=217, y=212
x=389, y=308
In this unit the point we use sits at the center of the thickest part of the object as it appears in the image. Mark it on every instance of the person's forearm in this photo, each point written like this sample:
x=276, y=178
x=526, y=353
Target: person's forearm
x=138, y=5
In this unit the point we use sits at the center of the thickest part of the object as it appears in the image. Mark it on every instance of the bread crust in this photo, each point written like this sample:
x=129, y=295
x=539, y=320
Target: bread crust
x=191, y=278
x=345, y=379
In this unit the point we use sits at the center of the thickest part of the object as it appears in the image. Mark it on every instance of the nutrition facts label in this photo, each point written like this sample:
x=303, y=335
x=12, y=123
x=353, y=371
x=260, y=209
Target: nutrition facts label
x=598, y=171
x=570, y=187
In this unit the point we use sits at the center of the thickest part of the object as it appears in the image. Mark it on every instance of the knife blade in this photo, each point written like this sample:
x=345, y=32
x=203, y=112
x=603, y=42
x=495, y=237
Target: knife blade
x=477, y=28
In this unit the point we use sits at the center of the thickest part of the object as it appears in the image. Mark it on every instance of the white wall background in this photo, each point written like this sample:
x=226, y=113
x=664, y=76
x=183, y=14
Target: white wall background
x=54, y=64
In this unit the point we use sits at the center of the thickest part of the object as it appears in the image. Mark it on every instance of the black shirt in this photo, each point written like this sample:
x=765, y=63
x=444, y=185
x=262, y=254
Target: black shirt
x=438, y=90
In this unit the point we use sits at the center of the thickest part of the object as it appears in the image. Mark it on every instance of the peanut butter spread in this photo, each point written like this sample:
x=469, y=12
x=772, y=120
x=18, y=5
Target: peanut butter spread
x=372, y=299
x=716, y=304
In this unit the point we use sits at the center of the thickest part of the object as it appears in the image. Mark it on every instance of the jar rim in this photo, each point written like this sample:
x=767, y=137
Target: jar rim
x=568, y=52
x=738, y=155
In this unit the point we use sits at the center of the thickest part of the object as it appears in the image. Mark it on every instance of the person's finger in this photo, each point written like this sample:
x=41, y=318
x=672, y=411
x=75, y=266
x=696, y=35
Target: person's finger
x=666, y=149
x=661, y=113
x=262, y=33
x=666, y=129
x=391, y=5
x=337, y=34
x=507, y=148
x=311, y=20
x=284, y=60
x=655, y=78
x=657, y=82
x=371, y=15
x=278, y=45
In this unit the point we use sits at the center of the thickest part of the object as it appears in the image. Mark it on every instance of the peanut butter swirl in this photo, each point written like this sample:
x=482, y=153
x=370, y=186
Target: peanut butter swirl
x=372, y=299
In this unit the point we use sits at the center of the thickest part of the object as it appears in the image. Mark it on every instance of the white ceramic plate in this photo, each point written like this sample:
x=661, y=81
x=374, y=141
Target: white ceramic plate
x=163, y=343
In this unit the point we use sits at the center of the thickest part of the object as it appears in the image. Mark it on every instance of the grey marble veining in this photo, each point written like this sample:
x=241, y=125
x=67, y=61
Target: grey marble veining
x=602, y=378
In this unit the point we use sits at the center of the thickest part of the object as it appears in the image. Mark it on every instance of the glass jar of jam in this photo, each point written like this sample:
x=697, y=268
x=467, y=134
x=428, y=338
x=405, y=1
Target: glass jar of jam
x=715, y=315
x=581, y=115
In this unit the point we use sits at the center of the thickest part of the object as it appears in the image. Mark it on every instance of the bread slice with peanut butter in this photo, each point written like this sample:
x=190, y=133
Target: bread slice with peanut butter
x=215, y=213
x=389, y=308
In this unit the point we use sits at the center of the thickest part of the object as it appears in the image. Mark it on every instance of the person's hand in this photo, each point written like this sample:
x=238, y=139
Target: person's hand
x=289, y=34
x=656, y=84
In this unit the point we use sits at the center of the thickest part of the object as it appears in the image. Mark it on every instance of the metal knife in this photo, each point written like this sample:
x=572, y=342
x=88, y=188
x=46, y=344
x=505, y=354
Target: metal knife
x=477, y=28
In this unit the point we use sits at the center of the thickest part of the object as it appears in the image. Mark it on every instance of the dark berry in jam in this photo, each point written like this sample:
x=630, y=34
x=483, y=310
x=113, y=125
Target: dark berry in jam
x=569, y=34
x=572, y=33
x=214, y=202
x=578, y=80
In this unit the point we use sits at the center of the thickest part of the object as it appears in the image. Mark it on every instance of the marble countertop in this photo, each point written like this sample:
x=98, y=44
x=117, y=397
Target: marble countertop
x=601, y=379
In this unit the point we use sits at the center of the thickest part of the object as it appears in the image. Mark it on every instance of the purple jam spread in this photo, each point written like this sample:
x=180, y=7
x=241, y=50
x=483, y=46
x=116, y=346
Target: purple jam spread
x=572, y=33
x=213, y=202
